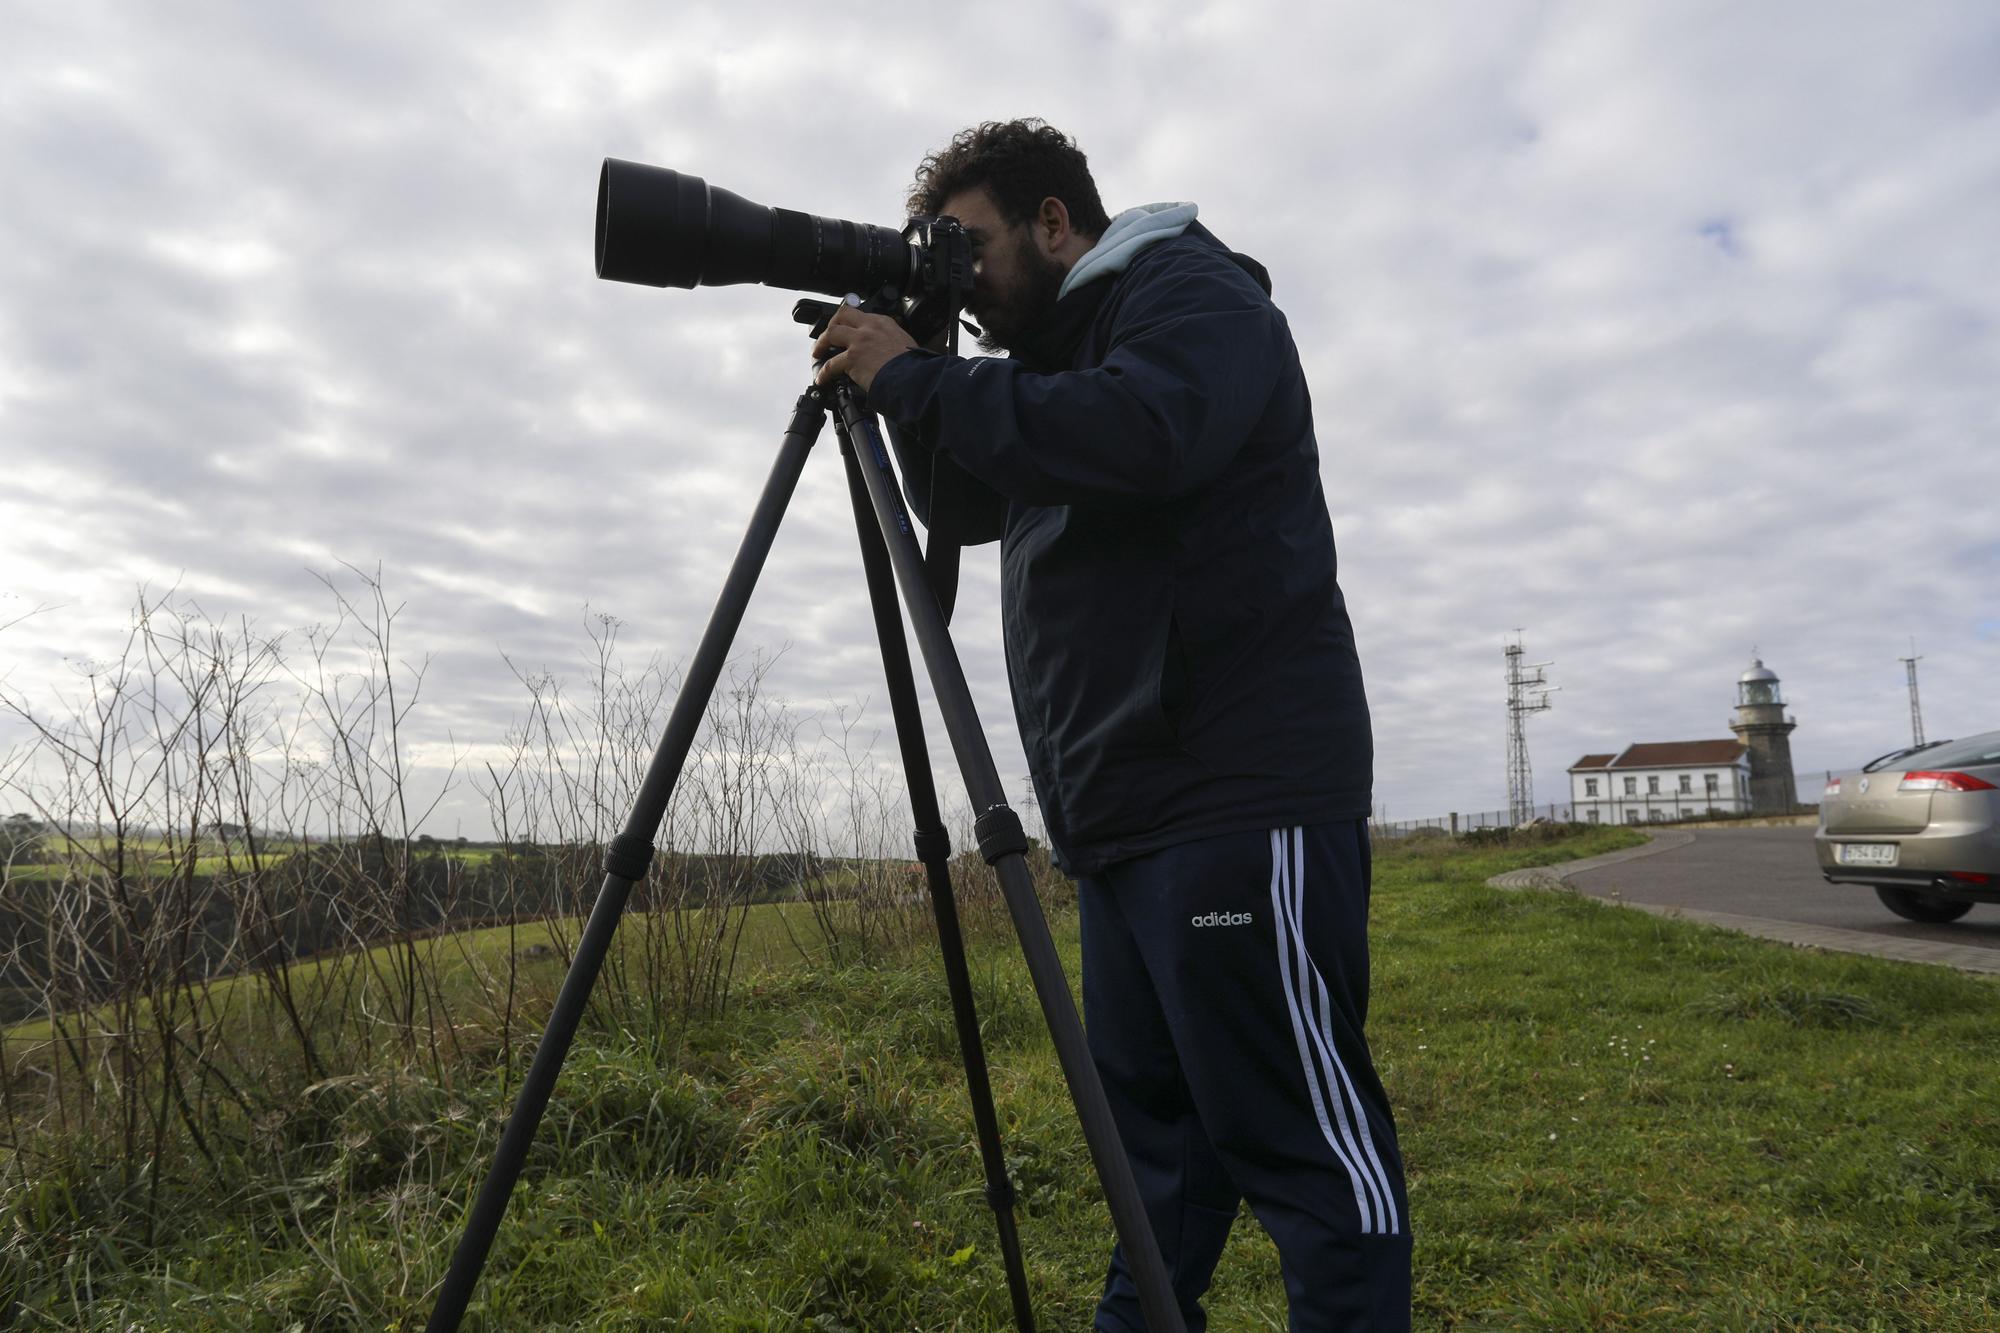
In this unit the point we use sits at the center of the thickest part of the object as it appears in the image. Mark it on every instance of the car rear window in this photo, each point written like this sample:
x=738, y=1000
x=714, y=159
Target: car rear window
x=1882, y=761
x=1972, y=752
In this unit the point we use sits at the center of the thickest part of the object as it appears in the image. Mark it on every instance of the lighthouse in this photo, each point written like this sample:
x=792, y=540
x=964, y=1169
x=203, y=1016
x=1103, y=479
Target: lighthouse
x=1761, y=725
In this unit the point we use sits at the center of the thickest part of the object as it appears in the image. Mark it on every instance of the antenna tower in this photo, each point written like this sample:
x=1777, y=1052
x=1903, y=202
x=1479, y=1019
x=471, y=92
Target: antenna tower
x=1528, y=692
x=1916, y=709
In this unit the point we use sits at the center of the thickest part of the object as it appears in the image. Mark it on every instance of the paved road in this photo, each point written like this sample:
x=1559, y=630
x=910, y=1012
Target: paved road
x=1766, y=880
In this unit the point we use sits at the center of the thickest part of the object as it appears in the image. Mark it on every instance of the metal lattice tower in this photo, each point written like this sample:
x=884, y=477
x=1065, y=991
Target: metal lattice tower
x=1916, y=709
x=1528, y=692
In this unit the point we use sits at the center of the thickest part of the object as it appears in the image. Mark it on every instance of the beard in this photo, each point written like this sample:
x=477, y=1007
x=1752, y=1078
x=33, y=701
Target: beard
x=1018, y=311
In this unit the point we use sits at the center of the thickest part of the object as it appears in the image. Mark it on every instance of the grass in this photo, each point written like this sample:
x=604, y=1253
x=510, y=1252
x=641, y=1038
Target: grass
x=1615, y=1120
x=1611, y=1120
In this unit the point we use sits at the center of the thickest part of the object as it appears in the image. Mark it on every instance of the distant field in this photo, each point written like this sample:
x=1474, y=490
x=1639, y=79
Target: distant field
x=154, y=858
x=469, y=962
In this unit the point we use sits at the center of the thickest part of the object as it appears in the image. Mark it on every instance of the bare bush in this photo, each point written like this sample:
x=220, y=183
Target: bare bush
x=725, y=844
x=219, y=895
x=212, y=815
x=227, y=940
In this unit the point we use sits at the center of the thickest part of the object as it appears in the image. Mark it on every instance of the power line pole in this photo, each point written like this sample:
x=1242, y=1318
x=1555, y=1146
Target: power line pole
x=1916, y=709
x=1528, y=692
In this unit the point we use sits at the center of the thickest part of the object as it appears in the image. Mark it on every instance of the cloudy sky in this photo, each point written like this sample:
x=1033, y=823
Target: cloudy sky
x=1658, y=332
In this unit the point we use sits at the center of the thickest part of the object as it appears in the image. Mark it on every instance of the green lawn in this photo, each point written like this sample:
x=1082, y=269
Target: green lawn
x=1611, y=1120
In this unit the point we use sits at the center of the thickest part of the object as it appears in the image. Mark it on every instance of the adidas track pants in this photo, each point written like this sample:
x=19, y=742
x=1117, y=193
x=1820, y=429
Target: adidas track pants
x=1225, y=984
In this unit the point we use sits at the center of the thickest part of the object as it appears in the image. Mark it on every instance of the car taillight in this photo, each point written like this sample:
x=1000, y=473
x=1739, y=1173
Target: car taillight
x=1968, y=877
x=1943, y=782
x=1832, y=787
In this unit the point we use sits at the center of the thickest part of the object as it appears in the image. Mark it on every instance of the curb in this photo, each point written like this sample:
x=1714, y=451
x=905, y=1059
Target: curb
x=1557, y=876
x=1964, y=957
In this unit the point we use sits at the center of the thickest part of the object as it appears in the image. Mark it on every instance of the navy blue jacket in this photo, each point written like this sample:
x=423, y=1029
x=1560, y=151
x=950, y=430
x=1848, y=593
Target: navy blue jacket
x=1178, y=648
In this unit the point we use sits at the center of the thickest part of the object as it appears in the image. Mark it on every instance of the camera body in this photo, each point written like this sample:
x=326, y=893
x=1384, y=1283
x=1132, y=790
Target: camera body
x=941, y=272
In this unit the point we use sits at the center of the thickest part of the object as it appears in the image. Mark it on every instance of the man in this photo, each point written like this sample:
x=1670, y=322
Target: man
x=1189, y=699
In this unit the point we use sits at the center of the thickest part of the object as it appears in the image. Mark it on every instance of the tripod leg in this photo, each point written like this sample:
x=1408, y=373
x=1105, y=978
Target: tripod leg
x=625, y=863
x=934, y=850
x=1002, y=843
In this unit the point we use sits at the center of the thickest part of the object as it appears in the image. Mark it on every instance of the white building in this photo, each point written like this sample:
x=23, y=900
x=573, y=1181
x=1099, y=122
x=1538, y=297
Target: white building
x=1662, y=780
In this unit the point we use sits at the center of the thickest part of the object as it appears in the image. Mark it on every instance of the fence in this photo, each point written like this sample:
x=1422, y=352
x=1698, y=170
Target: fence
x=1460, y=823
x=1660, y=808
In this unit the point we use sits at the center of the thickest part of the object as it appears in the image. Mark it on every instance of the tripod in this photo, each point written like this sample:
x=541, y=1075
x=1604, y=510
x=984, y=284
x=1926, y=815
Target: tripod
x=890, y=558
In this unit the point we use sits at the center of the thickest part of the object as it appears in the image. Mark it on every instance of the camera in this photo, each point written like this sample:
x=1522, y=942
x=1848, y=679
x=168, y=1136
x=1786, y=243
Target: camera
x=665, y=228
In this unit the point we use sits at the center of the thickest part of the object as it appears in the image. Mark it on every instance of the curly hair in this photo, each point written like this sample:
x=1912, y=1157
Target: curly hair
x=1020, y=163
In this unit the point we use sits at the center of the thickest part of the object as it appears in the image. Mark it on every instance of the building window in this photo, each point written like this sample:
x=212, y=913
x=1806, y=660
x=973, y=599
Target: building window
x=1652, y=786
x=1631, y=816
x=1687, y=782
x=1590, y=786
x=1591, y=815
x=1632, y=788
x=1710, y=779
x=1656, y=814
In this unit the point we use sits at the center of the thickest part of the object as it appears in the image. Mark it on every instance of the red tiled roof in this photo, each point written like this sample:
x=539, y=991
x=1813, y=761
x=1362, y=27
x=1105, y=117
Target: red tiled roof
x=1679, y=754
x=1593, y=761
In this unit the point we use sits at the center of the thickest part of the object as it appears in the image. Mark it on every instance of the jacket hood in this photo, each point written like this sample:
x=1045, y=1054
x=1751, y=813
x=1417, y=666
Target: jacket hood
x=1129, y=233
x=1139, y=229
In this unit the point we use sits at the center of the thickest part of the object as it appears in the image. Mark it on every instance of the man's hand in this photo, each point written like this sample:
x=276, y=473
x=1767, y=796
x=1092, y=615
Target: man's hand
x=860, y=344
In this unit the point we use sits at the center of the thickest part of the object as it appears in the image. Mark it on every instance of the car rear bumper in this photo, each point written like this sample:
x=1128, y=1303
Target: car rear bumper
x=1923, y=861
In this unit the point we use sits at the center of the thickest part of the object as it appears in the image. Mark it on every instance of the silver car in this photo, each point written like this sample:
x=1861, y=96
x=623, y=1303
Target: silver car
x=1921, y=825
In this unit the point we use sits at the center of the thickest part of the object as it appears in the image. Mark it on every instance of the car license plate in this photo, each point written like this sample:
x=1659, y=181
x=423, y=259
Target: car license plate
x=1868, y=853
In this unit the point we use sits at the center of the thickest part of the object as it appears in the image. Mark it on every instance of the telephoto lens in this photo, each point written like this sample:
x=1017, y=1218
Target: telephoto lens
x=668, y=229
